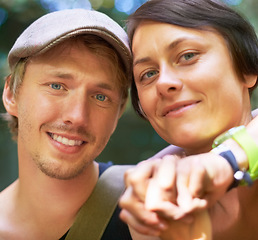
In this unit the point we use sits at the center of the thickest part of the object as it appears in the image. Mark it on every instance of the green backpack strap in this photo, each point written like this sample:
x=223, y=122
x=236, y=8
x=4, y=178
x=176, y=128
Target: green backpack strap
x=94, y=215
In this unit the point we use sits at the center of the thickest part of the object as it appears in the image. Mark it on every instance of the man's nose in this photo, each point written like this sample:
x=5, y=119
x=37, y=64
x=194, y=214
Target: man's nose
x=76, y=110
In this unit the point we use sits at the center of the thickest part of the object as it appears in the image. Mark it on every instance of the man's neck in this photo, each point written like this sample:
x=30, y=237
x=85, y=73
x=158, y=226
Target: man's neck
x=50, y=204
x=61, y=191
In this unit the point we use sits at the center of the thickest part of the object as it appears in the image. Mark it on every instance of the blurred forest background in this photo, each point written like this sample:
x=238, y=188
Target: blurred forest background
x=134, y=139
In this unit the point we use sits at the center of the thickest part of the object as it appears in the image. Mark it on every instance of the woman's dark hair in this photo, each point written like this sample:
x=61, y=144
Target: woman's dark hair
x=202, y=14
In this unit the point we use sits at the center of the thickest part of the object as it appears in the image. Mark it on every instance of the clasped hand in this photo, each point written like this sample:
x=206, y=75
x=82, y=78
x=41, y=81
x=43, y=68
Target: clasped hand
x=168, y=196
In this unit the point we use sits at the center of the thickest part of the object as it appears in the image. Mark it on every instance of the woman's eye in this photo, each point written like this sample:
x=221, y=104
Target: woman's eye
x=188, y=56
x=101, y=97
x=149, y=74
x=56, y=86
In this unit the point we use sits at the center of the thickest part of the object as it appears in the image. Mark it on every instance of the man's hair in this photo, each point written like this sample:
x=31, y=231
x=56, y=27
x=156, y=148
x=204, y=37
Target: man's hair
x=238, y=33
x=96, y=45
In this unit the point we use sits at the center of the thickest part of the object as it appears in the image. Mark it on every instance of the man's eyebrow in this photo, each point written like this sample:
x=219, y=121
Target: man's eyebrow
x=60, y=74
x=105, y=86
x=69, y=76
x=172, y=45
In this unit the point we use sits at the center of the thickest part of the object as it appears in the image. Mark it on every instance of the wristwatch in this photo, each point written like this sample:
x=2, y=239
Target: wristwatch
x=241, y=176
x=245, y=141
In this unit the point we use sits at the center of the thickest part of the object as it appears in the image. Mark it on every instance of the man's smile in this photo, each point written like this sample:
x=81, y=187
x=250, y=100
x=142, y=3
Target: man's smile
x=65, y=141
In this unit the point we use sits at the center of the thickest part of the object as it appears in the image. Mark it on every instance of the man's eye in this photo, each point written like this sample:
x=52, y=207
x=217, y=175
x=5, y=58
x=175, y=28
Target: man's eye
x=56, y=86
x=101, y=97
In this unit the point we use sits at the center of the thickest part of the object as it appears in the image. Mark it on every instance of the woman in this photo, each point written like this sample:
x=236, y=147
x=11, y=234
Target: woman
x=195, y=66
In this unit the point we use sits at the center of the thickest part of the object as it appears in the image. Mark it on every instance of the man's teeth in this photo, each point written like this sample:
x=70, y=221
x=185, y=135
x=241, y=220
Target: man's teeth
x=66, y=141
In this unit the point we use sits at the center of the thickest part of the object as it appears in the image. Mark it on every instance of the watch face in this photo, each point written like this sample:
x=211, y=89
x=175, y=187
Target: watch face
x=239, y=175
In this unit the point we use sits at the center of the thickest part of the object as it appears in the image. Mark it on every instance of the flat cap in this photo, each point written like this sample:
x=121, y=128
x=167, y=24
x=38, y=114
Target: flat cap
x=53, y=28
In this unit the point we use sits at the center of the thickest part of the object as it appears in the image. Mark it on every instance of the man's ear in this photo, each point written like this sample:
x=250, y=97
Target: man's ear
x=9, y=98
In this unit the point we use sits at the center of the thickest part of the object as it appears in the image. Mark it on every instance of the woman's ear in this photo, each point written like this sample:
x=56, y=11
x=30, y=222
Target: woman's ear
x=9, y=98
x=250, y=80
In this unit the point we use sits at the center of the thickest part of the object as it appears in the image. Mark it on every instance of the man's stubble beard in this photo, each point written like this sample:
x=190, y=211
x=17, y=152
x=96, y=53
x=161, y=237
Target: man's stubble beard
x=58, y=170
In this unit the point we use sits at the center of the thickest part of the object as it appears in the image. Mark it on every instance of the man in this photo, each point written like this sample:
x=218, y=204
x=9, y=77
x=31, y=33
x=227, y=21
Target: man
x=67, y=89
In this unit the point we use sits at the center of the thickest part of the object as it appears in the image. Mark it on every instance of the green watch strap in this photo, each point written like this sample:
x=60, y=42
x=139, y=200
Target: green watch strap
x=245, y=141
x=251, y=149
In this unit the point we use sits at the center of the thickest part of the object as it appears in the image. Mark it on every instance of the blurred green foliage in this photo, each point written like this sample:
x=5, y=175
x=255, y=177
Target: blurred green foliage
x=134, y=139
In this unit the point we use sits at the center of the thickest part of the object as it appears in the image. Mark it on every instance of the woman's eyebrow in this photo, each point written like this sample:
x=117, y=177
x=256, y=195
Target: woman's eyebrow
x=171, y=46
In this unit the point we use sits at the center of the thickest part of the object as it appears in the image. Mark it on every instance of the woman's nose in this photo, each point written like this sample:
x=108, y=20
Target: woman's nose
x=168, y=83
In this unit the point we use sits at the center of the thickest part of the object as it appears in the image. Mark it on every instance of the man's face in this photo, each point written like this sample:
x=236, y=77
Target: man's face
x=67, y=108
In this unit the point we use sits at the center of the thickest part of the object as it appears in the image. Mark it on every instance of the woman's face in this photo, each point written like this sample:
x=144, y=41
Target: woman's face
x=187, y=85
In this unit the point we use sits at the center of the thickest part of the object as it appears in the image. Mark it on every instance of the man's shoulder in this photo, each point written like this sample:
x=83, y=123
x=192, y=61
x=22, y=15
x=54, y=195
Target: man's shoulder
x=6, y=211
x=104, y=166
x=7, y=195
